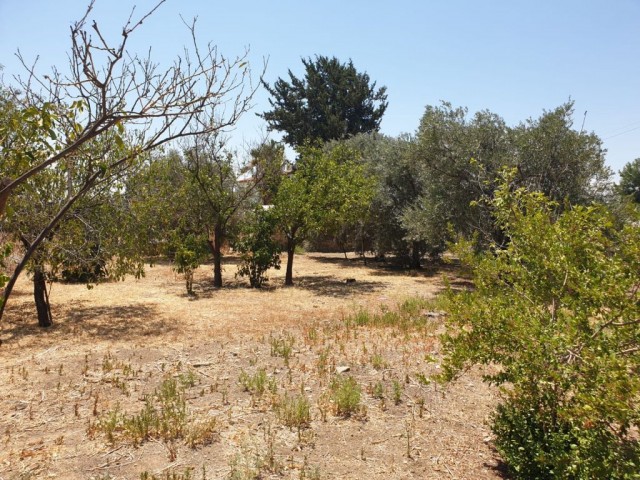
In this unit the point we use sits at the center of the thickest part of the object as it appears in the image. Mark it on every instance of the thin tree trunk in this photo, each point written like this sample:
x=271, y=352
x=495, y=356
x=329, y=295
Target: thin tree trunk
x=41, y=297
x=291, y=250
x=217, y=257
x=364, y=256
x=415, y=255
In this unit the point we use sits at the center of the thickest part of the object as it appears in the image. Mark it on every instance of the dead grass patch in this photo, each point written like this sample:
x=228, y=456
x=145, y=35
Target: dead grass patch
x=255, y=369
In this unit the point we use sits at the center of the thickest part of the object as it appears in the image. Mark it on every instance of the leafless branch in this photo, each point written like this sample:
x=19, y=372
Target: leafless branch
x=121, y=90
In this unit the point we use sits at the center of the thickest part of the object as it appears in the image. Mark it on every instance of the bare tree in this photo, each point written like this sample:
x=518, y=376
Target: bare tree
x=114, y=105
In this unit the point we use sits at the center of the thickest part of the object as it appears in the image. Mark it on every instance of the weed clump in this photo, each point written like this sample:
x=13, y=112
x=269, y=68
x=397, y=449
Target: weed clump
x=258, y=383
x=164, y=417
x=412, y=314
x=294, y=412
x=344, y=394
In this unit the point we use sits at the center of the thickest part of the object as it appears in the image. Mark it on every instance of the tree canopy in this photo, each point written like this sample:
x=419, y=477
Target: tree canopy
x=333, y=101
x=629, y=185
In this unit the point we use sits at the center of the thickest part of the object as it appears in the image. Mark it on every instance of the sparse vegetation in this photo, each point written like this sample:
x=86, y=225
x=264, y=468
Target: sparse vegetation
x=164, y=417
x=120, y=160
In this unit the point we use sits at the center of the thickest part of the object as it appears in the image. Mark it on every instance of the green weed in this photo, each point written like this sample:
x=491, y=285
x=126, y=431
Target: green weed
x=282, y=347
x=258, y=383
x=294, y=412
x=344, y=393
x=164, y=416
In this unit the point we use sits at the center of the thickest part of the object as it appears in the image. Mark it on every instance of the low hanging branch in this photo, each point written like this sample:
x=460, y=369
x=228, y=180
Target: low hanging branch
x=41, y=237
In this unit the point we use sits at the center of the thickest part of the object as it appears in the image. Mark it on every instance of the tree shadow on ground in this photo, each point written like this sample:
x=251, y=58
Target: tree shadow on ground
x=78, y=319
x=329, y=286
x=499, y=468
x=393, y=267
x=204, y=288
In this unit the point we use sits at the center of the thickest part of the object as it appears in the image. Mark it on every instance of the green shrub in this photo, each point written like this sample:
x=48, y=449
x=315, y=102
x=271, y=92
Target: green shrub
x=556, y=313
x=188, y=253
x=258, y=249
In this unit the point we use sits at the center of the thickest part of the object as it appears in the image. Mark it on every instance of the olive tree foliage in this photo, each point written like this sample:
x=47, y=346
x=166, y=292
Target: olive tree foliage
x=390, y=162
x=333, y=101
x=629, y=184
x=437, y=180
x=457, y=158
x=559, y=161
x=555, y=315
x=108, y=92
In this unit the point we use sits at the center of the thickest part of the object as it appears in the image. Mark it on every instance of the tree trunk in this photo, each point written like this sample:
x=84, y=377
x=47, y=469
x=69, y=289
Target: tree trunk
x=218, y=237
x=364, y=256
x=415, y=255
x=215, y=246
x=291, y=250
x=41, y=298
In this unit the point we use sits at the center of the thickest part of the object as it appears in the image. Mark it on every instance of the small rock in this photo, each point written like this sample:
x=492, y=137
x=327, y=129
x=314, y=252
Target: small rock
x=342, y=369
x=433, y=314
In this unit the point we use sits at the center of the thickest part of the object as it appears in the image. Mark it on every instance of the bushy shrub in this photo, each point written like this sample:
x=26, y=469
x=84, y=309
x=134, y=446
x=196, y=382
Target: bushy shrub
x=556, y=316
x=189, y=252
x=259, y=251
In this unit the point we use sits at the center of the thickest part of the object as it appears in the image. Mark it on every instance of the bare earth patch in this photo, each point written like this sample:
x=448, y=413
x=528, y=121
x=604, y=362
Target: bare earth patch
x=114, y=347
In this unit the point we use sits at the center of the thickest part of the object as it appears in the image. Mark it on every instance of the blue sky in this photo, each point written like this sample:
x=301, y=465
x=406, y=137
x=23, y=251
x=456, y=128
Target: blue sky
x=514, y=58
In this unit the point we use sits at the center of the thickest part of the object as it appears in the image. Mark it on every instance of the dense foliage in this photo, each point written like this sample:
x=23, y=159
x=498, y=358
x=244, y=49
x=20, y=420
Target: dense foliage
x=629, y=185
x=555, y=317
x=258, y=247
x=333, y=101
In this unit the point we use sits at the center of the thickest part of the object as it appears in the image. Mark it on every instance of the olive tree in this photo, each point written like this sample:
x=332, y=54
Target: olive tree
x=629, y=185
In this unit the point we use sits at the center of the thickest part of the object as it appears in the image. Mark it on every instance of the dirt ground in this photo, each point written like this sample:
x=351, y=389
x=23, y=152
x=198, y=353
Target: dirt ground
x=113, y=346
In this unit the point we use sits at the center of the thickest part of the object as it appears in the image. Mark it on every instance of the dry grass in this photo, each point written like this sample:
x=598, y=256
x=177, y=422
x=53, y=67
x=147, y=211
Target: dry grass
x=113, y=347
